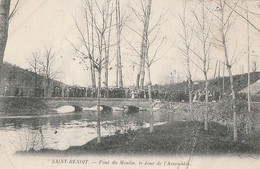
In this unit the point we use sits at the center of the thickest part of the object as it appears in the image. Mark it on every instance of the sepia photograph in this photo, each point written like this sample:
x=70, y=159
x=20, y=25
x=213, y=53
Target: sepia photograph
x=130, y=84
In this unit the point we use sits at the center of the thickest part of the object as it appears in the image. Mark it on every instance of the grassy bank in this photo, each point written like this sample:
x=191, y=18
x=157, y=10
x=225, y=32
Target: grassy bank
x=22, y=106
x=174, y=138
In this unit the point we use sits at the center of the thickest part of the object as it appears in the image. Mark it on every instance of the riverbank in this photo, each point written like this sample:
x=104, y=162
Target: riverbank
x=22, y=106
x=181, y=138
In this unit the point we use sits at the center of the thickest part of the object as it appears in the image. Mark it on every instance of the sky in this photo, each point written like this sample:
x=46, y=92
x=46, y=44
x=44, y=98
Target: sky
x=49, y=23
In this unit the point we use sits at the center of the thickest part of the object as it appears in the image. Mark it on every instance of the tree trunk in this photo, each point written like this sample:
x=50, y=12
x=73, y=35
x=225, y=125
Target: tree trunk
x=98, y=107
x=117, y=70
x=119, y=30
x=234, y=105
x=120, y=71
x=106, y=69
x=190, y=104
x=145, y=42
x=107, y=49
x=93, y=75
x=139, y=73
x=150, y=99
x=4, y=24
x=206, y=127
x=142, y=75
x=235, y=137
x=223, y=80
x=106, y=75
x=248, y=80
x=190, y=94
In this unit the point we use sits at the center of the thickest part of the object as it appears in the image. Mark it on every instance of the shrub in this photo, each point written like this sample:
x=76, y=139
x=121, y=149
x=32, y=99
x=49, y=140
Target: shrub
x=222, y=112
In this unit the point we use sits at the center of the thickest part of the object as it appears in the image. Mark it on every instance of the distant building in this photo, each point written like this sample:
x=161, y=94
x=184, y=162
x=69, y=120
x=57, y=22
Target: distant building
x=254, y=88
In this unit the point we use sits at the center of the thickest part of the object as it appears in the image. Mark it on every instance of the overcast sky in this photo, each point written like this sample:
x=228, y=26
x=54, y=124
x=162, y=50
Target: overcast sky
x=40, y=23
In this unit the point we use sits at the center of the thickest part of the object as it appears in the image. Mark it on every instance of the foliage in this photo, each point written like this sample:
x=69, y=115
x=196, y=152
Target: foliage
x=222, y=112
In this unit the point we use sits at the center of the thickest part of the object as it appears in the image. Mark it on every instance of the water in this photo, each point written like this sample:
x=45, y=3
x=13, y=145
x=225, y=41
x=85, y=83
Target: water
x=60, y=131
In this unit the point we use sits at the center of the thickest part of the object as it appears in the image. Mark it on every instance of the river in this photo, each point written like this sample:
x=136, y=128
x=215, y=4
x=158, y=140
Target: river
x=60, y=131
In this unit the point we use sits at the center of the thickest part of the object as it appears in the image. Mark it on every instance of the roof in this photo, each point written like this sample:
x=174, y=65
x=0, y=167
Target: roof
x=254, y=88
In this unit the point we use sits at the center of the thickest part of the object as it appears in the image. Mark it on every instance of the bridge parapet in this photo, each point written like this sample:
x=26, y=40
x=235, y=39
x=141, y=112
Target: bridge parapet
x=90, y=102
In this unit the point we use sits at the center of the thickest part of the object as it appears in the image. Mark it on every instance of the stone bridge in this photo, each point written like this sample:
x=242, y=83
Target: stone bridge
x=90, y=102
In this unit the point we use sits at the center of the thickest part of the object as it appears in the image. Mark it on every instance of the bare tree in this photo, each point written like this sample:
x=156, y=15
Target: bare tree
x=144, y=47
x=144, y=17
x=47, y=66
x=119, y=25
x=248, y=69
x=224, y=18
x=101, y=30
x=101, y=13
x=91, y=49
x=107, y=53
x=186, y=36
x=87, y=38
x=150, y=49
x=35, y=66
x=202, y=31
x=236, y=8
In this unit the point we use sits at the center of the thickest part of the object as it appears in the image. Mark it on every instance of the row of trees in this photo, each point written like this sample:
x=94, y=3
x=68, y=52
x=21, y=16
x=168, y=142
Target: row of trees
x=211, y=28
x=97, y=42
x=96, y=39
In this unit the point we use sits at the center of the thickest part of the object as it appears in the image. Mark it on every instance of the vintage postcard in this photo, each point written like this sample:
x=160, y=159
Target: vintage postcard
x=130, y=84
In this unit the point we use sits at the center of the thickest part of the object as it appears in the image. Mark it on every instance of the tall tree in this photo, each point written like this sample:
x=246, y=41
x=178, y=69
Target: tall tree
x=224, y=19
x=236, y=8
x=91, y=49
x=248, y=69
x=107, y=53
x=101, y=13
x=5, y=18
x=144, y=17
x=119, y=26
x=186, y=36
x=4, y=25
x=202, y=30
x=48, y=69
x=87, y=37
x=144, y=47
x=151, y=44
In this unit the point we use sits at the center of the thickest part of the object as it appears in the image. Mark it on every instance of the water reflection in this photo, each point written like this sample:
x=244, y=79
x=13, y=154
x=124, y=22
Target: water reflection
x=60, y=131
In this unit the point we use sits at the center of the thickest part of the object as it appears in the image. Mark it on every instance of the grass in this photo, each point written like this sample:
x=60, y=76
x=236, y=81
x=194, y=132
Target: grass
x=179, y=138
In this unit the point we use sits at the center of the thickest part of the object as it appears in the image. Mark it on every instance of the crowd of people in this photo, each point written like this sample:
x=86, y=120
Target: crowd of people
x=74, y=91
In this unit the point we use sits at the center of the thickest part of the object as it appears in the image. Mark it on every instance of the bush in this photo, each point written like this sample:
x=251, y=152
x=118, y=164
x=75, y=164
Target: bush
x=222, y=112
